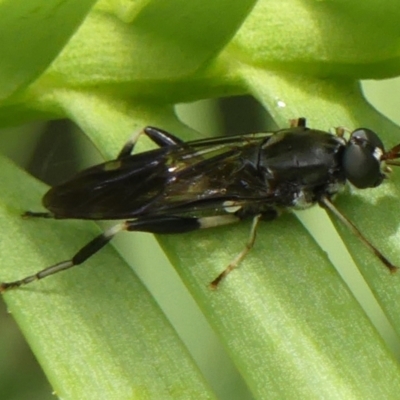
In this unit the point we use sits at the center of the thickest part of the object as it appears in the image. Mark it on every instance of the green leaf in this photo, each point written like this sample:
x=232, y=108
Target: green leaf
x=151, y=47
x=32, y=33
x=322, y=38
x=286, y=318
x=145, y=57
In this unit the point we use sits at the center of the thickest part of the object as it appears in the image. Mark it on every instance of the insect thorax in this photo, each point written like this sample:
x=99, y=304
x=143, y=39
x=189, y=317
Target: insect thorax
x=300, y=166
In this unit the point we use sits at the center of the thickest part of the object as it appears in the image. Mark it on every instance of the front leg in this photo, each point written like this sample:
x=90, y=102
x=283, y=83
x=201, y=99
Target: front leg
x=326, y=203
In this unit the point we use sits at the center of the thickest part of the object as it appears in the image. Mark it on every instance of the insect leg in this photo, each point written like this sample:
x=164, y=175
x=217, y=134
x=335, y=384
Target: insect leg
x=29, y=214
x=235, y=262
x=328, y=205
x=82, y=255
x=162, y=224
x=158, y=136
x=176, y=224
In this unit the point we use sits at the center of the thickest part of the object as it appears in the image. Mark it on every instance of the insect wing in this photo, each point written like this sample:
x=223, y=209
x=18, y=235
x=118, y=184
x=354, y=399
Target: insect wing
x=190, y=177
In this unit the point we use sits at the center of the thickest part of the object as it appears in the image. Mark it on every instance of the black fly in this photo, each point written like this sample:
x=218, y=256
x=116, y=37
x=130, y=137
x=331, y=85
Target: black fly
x=184, y=186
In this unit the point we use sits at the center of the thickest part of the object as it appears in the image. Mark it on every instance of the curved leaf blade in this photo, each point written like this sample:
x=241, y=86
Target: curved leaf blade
x=25, y=28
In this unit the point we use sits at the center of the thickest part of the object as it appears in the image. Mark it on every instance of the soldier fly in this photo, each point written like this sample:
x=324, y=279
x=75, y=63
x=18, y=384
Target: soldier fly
x=184, y=186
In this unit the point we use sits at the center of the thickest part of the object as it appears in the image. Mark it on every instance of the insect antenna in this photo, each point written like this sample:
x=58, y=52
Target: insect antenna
x=327, y=204
x=390, y=156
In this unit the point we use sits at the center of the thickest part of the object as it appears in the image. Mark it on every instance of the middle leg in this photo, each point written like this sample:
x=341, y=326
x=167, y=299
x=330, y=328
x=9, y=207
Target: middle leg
x=158, y=136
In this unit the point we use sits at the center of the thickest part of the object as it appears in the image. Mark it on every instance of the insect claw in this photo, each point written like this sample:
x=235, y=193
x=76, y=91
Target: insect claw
x=6, y=286
x=392, y=268
x=214, y=284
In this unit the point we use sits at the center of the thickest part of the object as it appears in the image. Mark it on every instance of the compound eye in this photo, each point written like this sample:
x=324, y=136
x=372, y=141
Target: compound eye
x=361, y=159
